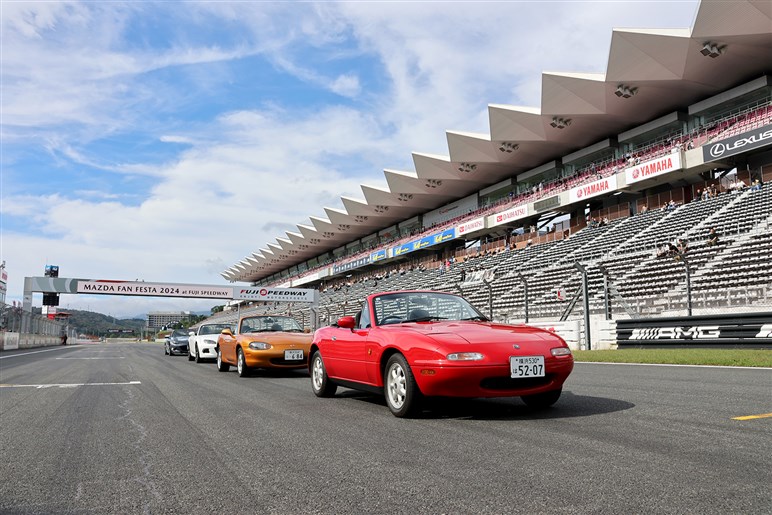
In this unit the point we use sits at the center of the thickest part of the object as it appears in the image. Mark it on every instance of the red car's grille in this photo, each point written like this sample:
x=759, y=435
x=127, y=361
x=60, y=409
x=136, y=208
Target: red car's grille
x=508, y=383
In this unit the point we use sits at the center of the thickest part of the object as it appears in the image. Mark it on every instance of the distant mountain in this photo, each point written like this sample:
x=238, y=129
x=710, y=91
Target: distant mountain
x=89, y=322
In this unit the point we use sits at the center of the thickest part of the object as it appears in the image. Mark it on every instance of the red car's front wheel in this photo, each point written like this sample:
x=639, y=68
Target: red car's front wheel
x=320, y=383
x=400, y=389
x=542, y=400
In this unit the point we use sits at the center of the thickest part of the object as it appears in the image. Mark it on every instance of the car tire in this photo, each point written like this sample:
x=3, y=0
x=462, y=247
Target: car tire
x=542, y=400
x=241, y=363
x=198, y=356
x=399, y=387
x=190, y=355
x=166, y=350
x=221, y=365
x=320, y=382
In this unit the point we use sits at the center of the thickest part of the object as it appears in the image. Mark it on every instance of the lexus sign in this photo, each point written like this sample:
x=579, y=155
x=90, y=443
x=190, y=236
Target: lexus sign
x=751, y=140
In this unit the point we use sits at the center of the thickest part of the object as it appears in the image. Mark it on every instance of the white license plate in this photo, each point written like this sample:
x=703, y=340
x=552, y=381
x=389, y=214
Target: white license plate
x=291, y=355
x=526, y=366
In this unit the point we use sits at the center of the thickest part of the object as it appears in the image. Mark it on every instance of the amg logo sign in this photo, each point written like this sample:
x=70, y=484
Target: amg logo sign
x=703, y=332
x=765, y=332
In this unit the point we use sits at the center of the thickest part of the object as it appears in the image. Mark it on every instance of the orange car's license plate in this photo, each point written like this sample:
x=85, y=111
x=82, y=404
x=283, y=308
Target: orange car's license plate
x=293, y=355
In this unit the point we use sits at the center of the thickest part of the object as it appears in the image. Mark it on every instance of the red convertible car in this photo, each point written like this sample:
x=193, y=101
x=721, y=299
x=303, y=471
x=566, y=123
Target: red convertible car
x=408, y=345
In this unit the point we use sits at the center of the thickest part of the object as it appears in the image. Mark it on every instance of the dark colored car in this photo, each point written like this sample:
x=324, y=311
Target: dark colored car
x=177, y=342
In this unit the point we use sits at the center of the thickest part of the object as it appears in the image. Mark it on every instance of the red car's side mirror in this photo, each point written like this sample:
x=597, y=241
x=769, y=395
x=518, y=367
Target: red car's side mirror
x=346, y=322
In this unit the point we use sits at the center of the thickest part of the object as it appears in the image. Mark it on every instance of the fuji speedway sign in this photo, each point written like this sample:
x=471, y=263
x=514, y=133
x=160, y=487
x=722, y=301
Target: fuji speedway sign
x=275, y=294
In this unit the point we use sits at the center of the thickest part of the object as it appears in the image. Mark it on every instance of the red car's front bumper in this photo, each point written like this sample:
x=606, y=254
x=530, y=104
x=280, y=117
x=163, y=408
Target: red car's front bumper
x=469, y=380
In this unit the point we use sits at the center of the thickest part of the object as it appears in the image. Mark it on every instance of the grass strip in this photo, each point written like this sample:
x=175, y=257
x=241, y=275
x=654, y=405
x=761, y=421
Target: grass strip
x=717, y=357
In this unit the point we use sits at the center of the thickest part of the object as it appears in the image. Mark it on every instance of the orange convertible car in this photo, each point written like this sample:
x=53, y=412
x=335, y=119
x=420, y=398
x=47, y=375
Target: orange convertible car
x=263, y=342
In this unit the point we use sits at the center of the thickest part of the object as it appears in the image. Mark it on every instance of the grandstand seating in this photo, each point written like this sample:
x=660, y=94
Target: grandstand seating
x=733, y=271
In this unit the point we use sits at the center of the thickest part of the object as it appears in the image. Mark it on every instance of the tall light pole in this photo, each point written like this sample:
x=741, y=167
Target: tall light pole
x=586, y=303
x=688, y=284
x=525, y=293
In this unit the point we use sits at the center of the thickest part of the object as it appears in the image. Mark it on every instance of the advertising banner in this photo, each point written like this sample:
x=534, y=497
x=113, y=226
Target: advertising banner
x=546, y=204
x=446, y=235
x=593, y=189
x=756, y=138
x=275, y=294
x=351, y=265
x=379, y=255
x=511, y=214
x=470, y=226
x=653, y=168
x=444, y=213
x=752, y=329
x=404, y=248
x=201, y=291
x=426, y=241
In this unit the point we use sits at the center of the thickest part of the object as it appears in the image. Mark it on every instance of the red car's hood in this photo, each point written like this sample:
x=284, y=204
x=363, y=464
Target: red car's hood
x=480, y=332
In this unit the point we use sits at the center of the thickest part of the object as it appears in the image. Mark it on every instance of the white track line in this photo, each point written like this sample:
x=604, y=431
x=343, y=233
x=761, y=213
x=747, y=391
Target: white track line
x=66, y=385
x=108, y=357
x=38, y=351
x=670, y=365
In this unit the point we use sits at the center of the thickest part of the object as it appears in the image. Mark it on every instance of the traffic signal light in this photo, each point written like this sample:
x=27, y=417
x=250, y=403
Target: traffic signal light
x=50, y=299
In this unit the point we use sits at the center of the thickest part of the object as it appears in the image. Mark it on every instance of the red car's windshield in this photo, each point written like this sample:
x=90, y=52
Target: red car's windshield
x=397, y=308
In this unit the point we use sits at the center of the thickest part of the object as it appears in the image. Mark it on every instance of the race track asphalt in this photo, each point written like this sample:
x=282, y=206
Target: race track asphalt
x=121, y=428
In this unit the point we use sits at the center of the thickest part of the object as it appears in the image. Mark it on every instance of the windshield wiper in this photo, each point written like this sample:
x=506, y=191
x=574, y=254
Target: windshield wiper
x=478, y=317
x=426, y=319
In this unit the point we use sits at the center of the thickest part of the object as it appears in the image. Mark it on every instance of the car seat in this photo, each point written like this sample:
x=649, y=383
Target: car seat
x=277, y=327
x=418, y=313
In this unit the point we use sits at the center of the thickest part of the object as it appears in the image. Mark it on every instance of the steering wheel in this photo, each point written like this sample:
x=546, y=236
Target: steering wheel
x=394, y=318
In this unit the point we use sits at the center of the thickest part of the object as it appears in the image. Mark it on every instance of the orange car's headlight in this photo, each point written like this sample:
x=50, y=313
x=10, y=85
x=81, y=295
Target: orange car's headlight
x=259, y=345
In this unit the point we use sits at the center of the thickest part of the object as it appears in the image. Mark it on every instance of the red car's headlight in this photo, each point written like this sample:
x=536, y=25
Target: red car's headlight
x=465, y=356
x=561, y=351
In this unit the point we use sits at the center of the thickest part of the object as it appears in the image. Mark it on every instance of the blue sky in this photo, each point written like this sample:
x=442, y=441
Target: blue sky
x=166, y=141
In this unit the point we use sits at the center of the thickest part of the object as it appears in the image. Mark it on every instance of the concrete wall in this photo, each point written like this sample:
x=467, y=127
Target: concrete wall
x=603, y=333
x=9, y=341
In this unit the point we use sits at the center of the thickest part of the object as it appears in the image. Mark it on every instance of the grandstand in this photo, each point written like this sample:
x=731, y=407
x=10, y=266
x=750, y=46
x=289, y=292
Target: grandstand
x=606, y=173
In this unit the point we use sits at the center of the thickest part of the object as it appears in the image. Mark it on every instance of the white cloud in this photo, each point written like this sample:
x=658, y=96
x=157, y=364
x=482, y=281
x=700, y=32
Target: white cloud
x=244, y=176
x=346, y=85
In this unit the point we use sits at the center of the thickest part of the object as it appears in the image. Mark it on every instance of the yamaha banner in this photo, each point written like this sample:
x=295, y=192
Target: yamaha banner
x=751, y=140
x=747, y=329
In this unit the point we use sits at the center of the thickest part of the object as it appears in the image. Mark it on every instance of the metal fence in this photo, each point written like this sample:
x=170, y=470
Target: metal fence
x=13, y=319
